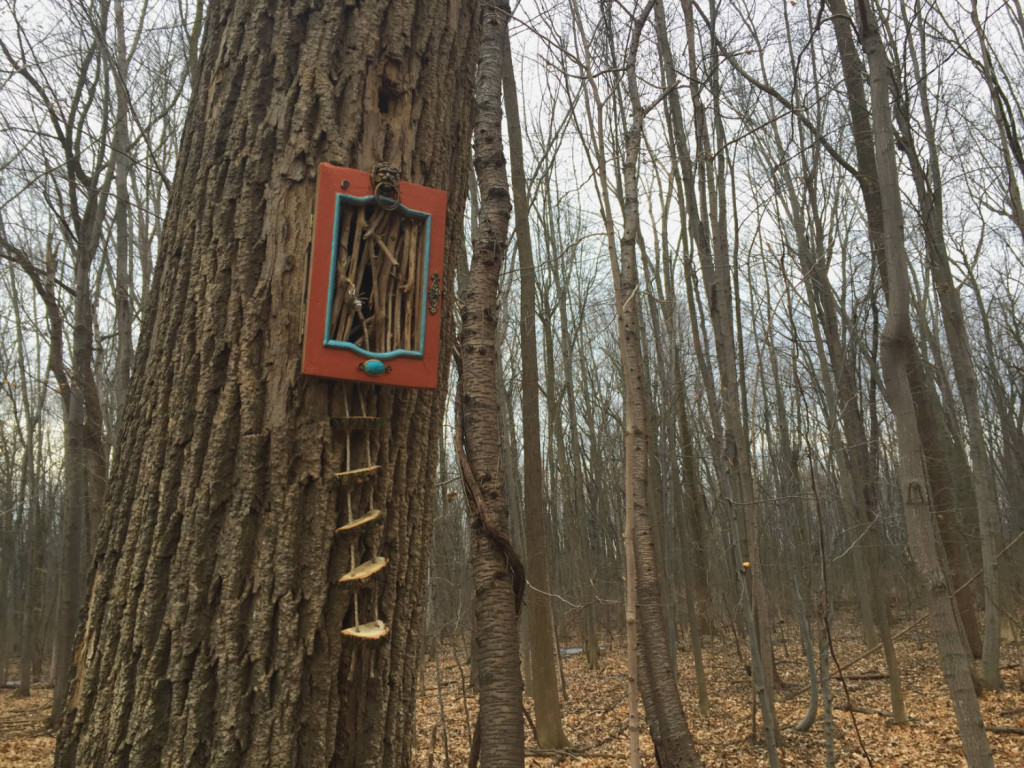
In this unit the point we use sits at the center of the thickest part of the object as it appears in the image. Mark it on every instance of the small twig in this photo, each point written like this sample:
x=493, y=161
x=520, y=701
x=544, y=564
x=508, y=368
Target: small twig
x=868, y=676
x=533, y=727
x=866, y=711
x=574, y=755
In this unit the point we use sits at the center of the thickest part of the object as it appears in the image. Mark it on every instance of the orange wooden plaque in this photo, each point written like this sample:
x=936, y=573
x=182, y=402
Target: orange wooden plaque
x=373, y=307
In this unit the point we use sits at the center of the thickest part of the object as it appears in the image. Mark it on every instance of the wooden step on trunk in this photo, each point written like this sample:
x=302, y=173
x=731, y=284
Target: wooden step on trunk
x=373, y=516
x=364, y=570
x=356, y=476
x=371, y=630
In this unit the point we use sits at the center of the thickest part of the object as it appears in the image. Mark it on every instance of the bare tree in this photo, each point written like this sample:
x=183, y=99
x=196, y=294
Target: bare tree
x=213, y=579
x=498, y=575
x=901, y=367
x=541, y=624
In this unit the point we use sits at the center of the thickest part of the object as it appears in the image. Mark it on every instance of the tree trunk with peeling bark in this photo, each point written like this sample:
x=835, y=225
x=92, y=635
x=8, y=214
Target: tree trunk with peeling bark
x=213, y=626
x=673, y=743
x=498, y=576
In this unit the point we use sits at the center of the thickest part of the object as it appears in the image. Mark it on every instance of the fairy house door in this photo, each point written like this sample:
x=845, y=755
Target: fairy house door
x=374, y=293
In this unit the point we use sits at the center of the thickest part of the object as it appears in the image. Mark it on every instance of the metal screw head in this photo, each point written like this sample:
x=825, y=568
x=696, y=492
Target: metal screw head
x=344, y=184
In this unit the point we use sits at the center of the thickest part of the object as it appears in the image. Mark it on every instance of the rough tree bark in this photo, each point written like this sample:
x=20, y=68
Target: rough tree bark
x=213, y=631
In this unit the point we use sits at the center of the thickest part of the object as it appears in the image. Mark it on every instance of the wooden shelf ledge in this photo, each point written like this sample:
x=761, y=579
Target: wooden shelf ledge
x=356, y=476
x=364, y=570
x=374, y=515
x=371, y=630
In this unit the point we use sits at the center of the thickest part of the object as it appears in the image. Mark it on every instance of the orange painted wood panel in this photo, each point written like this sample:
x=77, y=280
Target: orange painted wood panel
x=338, y=360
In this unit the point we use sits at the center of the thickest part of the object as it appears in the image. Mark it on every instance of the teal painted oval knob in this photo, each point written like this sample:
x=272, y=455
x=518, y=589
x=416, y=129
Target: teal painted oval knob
x=374, y=367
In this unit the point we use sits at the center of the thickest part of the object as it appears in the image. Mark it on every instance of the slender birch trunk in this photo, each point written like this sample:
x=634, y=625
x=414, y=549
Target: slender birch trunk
x=497, y=573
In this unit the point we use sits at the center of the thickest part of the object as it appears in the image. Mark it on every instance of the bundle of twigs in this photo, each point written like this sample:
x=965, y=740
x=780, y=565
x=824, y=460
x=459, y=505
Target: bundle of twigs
x=379, y=279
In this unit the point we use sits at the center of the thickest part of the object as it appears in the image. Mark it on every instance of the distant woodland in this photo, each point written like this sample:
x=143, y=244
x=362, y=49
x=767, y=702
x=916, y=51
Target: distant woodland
x=731, y=359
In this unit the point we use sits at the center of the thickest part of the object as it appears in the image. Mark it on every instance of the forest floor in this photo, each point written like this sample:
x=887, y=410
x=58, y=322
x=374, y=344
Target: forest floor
x=595, y=710
x=594, y=713
x=24, y=739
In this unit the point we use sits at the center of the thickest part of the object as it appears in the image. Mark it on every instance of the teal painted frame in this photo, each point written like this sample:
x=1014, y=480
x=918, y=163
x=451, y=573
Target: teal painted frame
x=334, y=343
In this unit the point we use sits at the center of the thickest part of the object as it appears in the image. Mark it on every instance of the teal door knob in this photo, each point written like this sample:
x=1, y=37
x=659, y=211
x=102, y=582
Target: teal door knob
x=374, y=367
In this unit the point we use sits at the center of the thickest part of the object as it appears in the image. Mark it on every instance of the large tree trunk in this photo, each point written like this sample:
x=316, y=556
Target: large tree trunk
x=213, y=632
